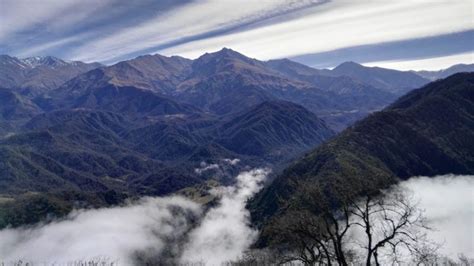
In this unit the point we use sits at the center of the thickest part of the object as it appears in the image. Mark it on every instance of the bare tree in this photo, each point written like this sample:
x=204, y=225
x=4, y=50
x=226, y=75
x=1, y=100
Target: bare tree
x=301, y=236
x=316, y=230
x=392, y=222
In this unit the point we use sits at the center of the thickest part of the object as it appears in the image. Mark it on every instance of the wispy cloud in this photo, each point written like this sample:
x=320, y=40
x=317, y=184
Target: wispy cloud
x=435, y=63
x=399, y=52
x=342, y=24
x=113, y=30
x=51, y=26
x=183, y=22
x=39, y=49
x=19, y=16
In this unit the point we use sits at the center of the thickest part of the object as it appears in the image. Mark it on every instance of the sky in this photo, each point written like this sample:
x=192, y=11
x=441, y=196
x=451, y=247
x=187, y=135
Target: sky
x=405, y=34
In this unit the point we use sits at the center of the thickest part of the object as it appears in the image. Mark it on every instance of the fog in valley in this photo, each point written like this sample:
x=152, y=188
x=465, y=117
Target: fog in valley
x=171, y=228
x=179, y=230
x=448, y=202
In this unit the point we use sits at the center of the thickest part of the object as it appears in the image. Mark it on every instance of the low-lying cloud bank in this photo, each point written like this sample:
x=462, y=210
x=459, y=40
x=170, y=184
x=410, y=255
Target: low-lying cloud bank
x=171, y=228
x=112, y=233
x=448, y=201
x=177, y=230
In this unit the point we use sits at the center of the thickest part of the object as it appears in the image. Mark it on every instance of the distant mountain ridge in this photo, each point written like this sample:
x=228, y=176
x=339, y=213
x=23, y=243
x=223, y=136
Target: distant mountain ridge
x=393, y=81
x=444, y=73
x=352, y=75
x=50, y=61
x=36, y=75
x=226, y=82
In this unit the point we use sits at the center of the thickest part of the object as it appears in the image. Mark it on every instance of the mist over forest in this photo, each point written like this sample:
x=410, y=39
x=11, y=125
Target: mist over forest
x=177, y=230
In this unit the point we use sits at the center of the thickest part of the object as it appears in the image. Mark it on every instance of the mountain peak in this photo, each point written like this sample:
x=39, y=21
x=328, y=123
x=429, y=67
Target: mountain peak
x=390, y=80
x=43, y=60
x=224, y=53
x=222, y=59
x=349, y=64
x=35, y=75
x=227, y=50
x=35, y=61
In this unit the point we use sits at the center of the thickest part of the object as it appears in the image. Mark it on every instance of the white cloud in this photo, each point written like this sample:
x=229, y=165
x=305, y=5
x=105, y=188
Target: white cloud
x=204, y=167
x=435, y=63
x=221, y=234
x=341, y=24
x=147, y=227
x=38, y=49
x=51, y=15
x=184, y=21
x=225, y=233
x=297, y=27
x=448, y=202
x=234, y=161
x=31, y=12
x=114, y=233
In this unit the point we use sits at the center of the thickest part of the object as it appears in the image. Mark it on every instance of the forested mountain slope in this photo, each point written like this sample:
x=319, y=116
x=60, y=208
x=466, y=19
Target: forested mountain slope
x=428, y=132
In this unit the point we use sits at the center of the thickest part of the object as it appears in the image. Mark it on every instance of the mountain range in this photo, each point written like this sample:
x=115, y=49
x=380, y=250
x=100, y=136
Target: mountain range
x=151, y=125
x=223, y=82
x=36, y=75
x=444, y=73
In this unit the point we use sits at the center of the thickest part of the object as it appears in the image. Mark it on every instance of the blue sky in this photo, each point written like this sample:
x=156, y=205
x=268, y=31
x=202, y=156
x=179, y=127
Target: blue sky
x=406, y=34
